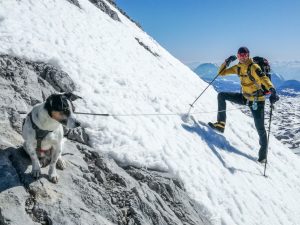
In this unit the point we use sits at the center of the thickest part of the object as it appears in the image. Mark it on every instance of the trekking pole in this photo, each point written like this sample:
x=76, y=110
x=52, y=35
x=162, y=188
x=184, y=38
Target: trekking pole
x=269, y=131
x=192, y=105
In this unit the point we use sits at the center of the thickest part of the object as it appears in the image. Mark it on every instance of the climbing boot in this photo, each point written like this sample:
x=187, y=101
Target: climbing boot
x=218, y=126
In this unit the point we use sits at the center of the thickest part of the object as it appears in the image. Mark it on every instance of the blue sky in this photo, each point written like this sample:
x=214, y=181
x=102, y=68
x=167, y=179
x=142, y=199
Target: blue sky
x=211, y=30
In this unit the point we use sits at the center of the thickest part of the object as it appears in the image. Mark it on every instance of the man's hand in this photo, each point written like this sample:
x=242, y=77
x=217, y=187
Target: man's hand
x=230, y=59
x=274, y=97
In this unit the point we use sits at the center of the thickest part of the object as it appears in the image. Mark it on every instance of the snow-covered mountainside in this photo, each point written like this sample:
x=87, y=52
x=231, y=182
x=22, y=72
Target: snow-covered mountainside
x=277, y=79
x=119, y=69
x=290, y=88
x=285, y=121
x=290, y=69
x=193, y=65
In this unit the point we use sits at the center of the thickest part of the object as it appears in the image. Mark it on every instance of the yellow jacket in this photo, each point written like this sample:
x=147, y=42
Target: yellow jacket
x=249, y=87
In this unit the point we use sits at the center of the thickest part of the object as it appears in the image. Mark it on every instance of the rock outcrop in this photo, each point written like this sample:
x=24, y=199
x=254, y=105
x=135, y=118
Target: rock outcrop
x=103, y=6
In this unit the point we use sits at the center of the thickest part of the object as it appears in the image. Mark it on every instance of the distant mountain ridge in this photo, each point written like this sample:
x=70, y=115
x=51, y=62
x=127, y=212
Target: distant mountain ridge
x=290, y=69
x=206, y=70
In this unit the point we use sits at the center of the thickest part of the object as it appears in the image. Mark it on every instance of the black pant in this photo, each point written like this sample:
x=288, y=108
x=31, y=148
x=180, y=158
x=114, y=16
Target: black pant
x=258, y=115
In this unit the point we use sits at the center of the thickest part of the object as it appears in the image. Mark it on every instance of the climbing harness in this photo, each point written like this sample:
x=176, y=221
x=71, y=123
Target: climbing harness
x=39, y=134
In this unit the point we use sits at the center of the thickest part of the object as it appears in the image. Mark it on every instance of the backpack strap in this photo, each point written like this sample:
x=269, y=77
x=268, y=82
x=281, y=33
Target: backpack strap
x=238, y=71
x=249, y=73
x=252, y=78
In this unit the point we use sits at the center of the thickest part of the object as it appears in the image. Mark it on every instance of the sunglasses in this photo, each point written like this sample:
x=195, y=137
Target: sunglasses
x=243, y=55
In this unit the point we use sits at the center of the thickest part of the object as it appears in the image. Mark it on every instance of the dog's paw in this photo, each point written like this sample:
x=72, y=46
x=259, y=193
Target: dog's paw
x=54, y=179
x=52, y=174
x=61, y=164
x=36, y=173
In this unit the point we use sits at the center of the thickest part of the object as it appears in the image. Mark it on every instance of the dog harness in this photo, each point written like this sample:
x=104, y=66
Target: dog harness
x=39, y=134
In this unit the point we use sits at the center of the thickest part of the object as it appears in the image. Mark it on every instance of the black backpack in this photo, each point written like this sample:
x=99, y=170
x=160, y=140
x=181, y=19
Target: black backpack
x=264, y=66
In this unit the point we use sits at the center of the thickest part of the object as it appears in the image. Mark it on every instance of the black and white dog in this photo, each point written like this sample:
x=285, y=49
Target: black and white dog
x=43, y=132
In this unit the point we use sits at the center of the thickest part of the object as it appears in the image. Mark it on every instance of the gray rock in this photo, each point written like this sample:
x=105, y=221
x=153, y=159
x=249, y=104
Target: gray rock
x=102, y=5
x=77, y=134
x=25, y=83
x=74, y=2
x=57, y=78
x=112, y=2
x=146, y=47
x=76, y=200
x=100, y=176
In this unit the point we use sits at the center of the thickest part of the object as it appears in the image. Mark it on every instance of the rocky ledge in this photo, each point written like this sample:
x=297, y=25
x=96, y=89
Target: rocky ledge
x=93, y=189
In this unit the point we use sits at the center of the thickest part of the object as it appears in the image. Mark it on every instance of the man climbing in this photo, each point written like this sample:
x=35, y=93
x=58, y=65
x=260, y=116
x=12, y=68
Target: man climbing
x=252, y=78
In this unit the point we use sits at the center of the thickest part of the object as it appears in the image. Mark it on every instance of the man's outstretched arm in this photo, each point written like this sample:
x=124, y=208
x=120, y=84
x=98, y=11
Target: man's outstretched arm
x=232, y=70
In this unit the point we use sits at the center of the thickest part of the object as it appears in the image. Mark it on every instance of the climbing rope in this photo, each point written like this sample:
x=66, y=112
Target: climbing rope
x=151, y=114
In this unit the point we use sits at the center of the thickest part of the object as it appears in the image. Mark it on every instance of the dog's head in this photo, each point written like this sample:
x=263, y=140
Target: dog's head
x=61, y=108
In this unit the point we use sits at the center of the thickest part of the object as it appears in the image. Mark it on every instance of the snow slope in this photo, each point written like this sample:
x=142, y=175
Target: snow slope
x=115, y=74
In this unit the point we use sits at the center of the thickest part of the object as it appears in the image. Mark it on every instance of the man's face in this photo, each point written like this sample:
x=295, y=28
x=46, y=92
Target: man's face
x=243, y=57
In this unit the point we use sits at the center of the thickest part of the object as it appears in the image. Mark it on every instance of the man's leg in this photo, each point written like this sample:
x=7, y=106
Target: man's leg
x=237, y=98
x=259, y=120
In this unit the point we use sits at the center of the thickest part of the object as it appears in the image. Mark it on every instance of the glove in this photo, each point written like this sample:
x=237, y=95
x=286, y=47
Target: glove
x=230, y=59
x=274, y=97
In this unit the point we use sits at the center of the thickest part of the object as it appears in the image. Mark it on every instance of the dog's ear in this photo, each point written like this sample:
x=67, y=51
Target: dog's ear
x=49, y=100
x=49, y=103
x=71, y=96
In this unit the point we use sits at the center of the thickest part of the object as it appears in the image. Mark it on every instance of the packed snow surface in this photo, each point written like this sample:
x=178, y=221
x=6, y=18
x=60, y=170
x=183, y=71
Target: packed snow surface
x=115, y=74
